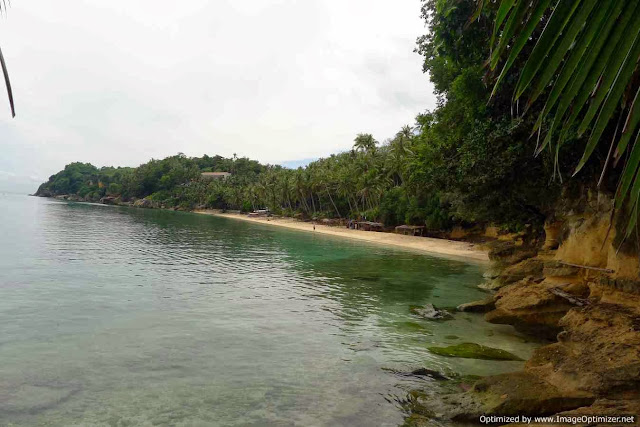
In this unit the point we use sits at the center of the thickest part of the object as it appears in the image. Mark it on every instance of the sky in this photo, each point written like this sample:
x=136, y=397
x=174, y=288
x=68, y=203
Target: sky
x=279, y=81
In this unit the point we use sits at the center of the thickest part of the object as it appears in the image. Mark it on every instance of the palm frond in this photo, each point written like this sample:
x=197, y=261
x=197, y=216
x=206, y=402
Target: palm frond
x=8, y=83
x=587, y=56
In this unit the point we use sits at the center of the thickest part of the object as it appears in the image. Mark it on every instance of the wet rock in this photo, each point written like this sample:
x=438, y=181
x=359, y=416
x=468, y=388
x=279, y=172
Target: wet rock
x=474, y=351
x=481, y=306
x=519, y=393
x=491, y=285
x=110, y=200
x=430, y=312
x=426, y=372
x=492, y=273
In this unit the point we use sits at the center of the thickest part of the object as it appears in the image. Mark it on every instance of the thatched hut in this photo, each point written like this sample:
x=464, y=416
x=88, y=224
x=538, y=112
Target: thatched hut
x=410, y=230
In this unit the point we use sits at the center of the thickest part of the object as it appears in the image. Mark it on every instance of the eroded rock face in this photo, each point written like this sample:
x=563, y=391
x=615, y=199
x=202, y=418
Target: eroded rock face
x=584, y=294
x=507, y=253
x=530, y=308
x=531, y=267
x=599, y=351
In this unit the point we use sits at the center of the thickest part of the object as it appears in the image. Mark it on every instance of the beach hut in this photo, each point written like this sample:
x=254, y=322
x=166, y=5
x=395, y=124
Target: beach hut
x=410, y=230
x=369, y=226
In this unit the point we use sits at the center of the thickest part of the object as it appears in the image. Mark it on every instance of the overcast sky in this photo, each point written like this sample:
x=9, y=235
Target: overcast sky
x=119, y=83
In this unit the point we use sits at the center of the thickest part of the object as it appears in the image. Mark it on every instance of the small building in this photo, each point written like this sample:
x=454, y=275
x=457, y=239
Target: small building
x=369, y=226
x=410, y=230
x=215, y=175
x=260, y=213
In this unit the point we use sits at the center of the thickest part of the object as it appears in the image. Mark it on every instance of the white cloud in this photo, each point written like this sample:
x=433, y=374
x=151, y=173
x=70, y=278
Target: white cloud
x=116, y=83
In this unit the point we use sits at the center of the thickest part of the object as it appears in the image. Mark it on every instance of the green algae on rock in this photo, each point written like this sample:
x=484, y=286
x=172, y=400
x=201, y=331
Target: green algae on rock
x=474, y=351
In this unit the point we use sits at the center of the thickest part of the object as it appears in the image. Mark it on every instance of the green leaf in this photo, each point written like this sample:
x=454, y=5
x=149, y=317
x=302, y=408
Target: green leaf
x=594, y=26
x=628, y=174
x=629, y=127
x=613, y=68
x=584, y=83
x=7, y=83
x=613, y=100
x=509, y=30
x=522, y=40
x=552, y=31
x=503, y=11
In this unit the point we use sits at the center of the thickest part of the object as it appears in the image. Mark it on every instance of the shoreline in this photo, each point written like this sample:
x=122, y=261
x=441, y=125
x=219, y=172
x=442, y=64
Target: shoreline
x=426, y=245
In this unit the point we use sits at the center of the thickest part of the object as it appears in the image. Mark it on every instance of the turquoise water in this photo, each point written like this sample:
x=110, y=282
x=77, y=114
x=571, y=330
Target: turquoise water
x=123, y=317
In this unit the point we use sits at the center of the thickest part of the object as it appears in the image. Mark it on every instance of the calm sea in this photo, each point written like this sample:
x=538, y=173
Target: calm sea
x=114, y=316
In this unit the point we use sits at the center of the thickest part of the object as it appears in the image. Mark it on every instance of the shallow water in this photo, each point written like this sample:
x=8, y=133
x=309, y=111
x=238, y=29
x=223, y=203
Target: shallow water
x=118, y=316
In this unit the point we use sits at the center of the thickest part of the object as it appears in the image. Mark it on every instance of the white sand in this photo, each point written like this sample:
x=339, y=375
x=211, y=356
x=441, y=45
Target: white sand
x=430, y=245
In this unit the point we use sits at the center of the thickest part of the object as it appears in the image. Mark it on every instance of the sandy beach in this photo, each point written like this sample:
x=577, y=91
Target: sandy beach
x=449, y=248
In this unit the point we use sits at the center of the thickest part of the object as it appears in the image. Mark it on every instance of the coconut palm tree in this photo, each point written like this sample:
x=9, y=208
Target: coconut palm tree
x=364, y=142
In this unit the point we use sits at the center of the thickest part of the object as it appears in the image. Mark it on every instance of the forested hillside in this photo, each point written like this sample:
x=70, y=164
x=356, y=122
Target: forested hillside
x=470, y=160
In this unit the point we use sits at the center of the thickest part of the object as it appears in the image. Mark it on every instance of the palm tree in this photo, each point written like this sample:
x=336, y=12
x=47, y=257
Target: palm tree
x=588, y=53
x=364, y=142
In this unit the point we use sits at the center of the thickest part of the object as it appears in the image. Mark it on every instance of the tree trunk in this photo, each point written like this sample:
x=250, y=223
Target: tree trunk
x=313, y=202
x=333, y=203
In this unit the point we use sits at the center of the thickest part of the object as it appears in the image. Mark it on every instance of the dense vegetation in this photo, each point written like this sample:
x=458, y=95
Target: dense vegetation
x=584, y=68
x=468, y=161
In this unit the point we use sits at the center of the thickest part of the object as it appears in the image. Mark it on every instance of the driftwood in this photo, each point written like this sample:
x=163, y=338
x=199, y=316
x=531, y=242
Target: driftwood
x=580, y=302
x=588, y=267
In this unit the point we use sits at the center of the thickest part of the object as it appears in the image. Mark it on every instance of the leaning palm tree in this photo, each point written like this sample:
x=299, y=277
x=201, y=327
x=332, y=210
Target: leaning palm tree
x=584, y=68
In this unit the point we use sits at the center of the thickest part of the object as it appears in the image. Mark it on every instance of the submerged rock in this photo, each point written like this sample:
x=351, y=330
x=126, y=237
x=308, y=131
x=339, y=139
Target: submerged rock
x=411, y=326
x=426, y=372
x=430, y=312
x=474, y=351
x=518, y=393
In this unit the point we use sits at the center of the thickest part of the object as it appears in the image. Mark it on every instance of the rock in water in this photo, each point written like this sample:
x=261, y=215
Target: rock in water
x=474, y=351
x=481, y=306
x=430, y=312
x=426, y=372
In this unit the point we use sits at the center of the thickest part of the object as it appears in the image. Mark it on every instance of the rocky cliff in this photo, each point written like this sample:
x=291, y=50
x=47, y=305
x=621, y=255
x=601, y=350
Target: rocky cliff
x=577, y=289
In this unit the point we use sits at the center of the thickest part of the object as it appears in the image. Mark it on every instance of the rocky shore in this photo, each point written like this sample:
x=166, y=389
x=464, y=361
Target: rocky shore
x=581, y=295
